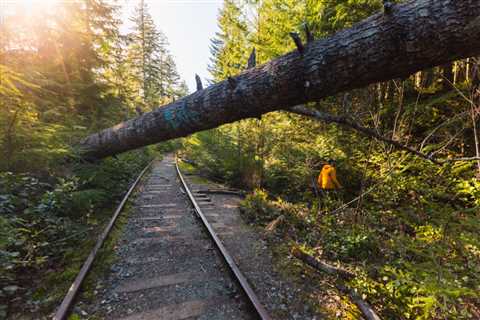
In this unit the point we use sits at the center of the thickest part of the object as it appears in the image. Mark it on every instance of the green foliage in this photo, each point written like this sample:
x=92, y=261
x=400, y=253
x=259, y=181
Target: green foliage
x=67, y=71
x=40, y=221
x=229, y=48
x=74, y=73
x=407, y=227
x=350, y=244
x=256, y=208
x=204, y=145
x=30, y=235
x=74, y=317
x=148, y=63
x=468, y=190
x=411, y=265
x=331, y=16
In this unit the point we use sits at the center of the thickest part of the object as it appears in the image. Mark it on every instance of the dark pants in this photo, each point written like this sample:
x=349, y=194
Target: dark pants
x=326, y=192
x=328, y=195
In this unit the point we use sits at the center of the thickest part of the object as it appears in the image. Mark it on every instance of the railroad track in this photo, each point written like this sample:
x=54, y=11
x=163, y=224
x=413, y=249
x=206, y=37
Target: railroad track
x=172, y=264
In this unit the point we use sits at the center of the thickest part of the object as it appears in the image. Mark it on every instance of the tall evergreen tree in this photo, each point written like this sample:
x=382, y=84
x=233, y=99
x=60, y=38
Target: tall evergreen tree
x=229, y=47
x=152, y=64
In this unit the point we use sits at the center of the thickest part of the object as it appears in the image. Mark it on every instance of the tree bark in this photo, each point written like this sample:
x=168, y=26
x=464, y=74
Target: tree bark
x=320, y=265
x=413, y=36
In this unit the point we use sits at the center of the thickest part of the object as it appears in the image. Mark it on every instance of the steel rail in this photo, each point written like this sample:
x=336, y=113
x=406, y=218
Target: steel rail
x=252, y=297
x=67, y=302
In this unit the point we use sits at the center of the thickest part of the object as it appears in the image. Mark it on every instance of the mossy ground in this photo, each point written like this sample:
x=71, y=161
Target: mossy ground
x=193, y=171
x=321, y=296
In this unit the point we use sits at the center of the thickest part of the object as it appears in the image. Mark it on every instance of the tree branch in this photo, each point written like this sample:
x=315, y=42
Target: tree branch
x=366, y=309
x=459, y=159
x=347, y=123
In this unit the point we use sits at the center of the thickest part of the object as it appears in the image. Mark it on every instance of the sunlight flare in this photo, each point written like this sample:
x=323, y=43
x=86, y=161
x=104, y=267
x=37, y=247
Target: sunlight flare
x=34, y=6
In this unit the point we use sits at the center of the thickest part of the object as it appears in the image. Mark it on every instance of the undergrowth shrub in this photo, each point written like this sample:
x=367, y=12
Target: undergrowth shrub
x=414, y=243
x=43, y=219
x=257, y=208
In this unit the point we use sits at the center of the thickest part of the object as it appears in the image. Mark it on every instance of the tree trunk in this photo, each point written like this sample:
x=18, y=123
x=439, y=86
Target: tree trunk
x=447, y=78
x=9, y=141
x=412, y=36
x=428, y=79
x=467, y=69
x=144, y=54
x=475, y=98
x=419, y=80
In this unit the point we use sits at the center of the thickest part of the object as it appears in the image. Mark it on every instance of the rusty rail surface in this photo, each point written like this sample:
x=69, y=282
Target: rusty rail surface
x=239, y=277
x=67, y=302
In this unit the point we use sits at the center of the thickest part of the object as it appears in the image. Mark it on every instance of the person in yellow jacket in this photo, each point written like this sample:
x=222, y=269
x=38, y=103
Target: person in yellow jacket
x=327, y=180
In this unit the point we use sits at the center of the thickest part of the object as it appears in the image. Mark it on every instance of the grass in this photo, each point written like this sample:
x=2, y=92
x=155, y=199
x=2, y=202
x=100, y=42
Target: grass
x=189, y=169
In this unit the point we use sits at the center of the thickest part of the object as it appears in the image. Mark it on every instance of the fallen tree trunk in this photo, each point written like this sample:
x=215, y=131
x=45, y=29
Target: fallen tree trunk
x=320, y=265
x=364, y=307
x=404, y=39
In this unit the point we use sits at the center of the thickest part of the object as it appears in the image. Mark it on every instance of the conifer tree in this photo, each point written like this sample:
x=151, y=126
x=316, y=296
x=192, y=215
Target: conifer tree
x=152, y=65
x=146, y=55
x=229, y=47
x=58, y=61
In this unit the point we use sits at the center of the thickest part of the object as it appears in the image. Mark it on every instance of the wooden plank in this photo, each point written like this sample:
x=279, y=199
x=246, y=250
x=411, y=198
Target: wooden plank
x=162, y=281
x=163, y=205
x=185, y=310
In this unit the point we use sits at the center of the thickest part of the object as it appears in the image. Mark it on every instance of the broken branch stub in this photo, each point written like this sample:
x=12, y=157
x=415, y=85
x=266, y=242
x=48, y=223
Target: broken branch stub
x=298, y=42
x=308, y=33
x=252, y=59
x=199, y=82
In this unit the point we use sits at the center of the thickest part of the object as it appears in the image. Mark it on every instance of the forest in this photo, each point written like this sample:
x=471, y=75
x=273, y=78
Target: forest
x=406, y=221
x=66, y=73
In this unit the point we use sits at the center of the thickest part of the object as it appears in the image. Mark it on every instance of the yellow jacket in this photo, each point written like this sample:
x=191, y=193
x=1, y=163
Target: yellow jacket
x=328, y=178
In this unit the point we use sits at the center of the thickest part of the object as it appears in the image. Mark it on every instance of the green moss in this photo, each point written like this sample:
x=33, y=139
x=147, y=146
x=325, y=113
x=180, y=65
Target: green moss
x=186, y=167
x=194, y=177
